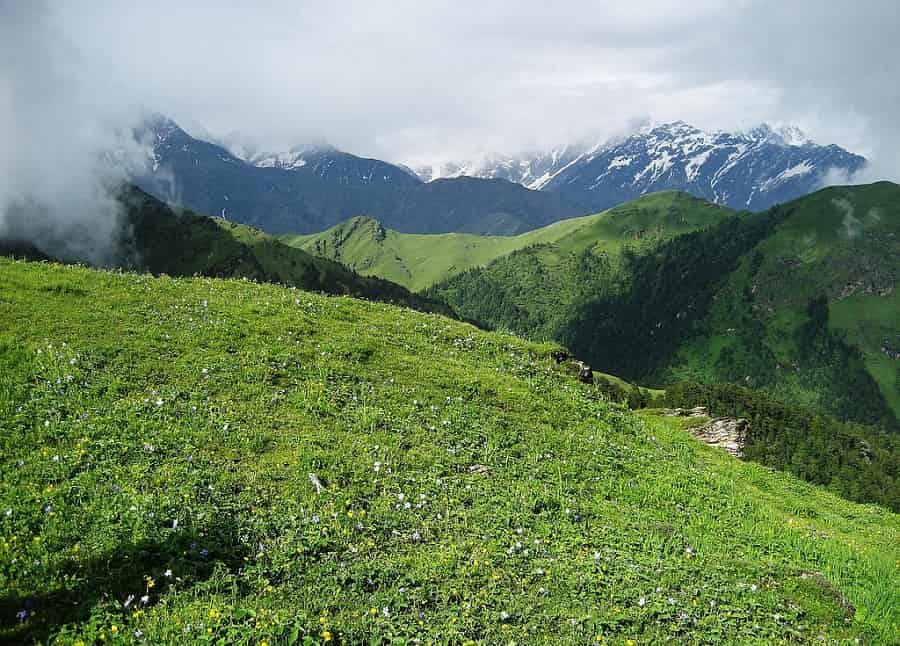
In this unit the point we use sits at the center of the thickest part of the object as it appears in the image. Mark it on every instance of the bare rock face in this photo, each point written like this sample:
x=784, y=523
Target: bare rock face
x=727, y=433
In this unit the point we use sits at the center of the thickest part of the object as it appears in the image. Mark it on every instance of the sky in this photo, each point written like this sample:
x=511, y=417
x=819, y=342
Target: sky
x=422, y=80
x=413, y=81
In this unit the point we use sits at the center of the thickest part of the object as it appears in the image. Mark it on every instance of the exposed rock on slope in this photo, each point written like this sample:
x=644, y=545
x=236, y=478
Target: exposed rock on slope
x=728, y=433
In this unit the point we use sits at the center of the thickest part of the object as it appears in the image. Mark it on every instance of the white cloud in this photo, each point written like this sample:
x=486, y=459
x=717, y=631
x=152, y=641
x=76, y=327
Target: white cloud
x=57, y=121
x=416, y=80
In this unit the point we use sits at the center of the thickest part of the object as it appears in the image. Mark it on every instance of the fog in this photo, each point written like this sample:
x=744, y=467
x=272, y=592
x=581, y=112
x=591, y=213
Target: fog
x=60, y=125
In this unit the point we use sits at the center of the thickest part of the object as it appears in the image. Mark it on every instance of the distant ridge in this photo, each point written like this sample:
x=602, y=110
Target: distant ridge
x=751, y=170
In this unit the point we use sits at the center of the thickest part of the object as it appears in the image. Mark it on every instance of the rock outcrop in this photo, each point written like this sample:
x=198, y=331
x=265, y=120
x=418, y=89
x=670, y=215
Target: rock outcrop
x=728, y=433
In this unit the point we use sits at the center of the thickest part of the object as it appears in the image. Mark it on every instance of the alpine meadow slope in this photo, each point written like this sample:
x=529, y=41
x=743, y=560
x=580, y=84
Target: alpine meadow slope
x=420, y=261
x=800, y=300
x=205, y=460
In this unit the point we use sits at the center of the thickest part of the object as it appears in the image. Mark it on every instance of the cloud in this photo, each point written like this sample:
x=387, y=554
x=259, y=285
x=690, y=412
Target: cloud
x=59, y=125
x=429, y=80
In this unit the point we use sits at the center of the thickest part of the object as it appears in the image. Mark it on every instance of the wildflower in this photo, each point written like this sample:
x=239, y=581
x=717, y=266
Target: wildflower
x=689, y=551
x=158, y=402
x=168, y=574
x=114, y=629
x=642, y=602
x=385, y=612
x=504, y=615
x=671, y=601
x=150, y=581
x=326, y=636
x=145, y=599
x=8, y=513
x=753, y=587
x=373, y=611
x=129, y=600
x=138, y=633
x=204, y=553
x=315, y=519
x=22, y=615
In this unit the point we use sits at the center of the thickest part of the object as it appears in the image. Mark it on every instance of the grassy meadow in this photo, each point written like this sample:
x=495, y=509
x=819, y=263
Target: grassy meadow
x=159, y=436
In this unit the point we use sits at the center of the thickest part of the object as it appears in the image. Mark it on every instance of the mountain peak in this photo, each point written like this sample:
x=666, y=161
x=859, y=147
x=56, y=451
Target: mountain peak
x=785, y=135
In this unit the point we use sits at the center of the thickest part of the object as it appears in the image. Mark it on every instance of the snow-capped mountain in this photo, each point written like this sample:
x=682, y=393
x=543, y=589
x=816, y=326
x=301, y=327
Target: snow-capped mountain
x=326, y=162
x=310, y=189
x=532, y=170
x=746, y=170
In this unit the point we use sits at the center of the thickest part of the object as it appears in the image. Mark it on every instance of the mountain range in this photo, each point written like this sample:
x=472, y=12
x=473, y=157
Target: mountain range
x=308, y=189
x=751, y=170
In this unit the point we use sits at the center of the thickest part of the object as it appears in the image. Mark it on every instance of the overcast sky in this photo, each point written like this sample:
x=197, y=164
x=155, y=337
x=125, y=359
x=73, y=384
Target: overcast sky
x=426, y=80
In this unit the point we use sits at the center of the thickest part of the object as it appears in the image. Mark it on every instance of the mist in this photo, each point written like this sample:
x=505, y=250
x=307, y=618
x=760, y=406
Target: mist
x=67, y=142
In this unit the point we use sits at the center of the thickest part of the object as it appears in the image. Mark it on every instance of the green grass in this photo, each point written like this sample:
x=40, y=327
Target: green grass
x=185, y=244
x=129, y=402
x=419, y=261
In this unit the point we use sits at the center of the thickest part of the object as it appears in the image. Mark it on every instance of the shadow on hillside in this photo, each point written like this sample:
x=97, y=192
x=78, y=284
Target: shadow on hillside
x=192, y=555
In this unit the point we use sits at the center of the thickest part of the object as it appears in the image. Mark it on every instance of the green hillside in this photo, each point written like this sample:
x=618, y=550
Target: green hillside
x=801, y=300
x=157, y=437
x=813, y=310
x=158, y=240
x=419, y=261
